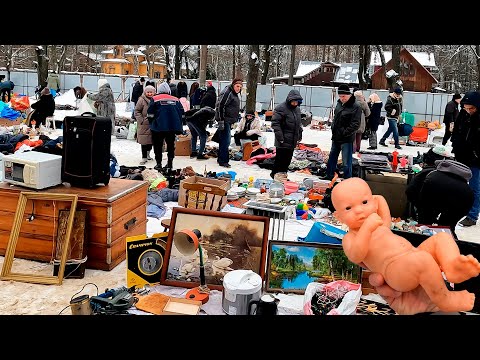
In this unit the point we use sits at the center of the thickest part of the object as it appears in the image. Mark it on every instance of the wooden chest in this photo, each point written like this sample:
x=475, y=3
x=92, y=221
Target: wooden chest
x=114, y=212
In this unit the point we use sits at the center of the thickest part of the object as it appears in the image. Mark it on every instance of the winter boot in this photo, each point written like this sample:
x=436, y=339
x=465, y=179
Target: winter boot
x=148, y=156
x=144, y=161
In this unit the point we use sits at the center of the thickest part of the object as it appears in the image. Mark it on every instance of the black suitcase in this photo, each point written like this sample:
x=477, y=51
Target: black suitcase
x=86, y=150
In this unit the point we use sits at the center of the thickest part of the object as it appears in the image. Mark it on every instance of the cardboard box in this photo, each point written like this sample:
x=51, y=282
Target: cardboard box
x=179, y=306
x=222, y=183
x=183, y=146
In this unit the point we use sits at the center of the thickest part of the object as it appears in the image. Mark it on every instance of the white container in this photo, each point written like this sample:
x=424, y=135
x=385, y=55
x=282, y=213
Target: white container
x=239, y=287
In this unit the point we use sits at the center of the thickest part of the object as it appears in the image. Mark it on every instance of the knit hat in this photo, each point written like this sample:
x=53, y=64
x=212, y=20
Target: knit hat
x=250, y=113
x=45, y=91
x=471, y=98
x=149, y=88
x=454, y=167
x=397, y=90
x=456, y=96
x=142, y=79
x=164, y=88
x=101, y=82
x=343, y=89
x=209, y=83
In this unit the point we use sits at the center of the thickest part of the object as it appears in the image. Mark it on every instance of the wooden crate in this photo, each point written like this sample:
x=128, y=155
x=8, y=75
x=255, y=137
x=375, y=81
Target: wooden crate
x=114, y=212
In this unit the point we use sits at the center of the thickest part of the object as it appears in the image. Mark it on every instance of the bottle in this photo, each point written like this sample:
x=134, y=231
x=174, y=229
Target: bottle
x=395, y=158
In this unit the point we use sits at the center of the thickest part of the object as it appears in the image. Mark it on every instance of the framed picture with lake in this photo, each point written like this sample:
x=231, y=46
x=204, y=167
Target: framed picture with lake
x=292, y=265
x=228, y=241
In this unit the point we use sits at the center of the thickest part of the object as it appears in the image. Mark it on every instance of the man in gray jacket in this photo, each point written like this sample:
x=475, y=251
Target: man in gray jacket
x=287, y=125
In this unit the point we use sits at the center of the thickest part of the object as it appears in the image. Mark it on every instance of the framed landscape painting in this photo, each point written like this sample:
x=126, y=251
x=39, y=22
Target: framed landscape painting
x=229, y=242
x=292, y=265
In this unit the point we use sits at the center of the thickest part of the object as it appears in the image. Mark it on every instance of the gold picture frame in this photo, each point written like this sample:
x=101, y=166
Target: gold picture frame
x=7, y=273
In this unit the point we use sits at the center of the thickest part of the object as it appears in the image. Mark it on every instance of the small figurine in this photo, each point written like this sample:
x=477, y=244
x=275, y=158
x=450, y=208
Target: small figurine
x=371, y=244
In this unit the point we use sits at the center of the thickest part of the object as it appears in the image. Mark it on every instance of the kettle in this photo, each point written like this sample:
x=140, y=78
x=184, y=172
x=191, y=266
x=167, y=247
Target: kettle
x=267, y=305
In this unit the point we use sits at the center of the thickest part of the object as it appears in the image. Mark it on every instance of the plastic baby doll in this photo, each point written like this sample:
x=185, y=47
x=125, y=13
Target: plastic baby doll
x=370, y=243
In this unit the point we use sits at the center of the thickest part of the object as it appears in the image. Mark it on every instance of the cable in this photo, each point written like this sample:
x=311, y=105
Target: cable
x=82, y=290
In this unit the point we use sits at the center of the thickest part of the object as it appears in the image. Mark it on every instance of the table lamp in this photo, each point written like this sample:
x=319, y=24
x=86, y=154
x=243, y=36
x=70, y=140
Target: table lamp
x=187, y=242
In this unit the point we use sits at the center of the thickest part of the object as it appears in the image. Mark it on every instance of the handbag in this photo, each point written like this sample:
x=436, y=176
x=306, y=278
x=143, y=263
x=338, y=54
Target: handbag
x=404, y=129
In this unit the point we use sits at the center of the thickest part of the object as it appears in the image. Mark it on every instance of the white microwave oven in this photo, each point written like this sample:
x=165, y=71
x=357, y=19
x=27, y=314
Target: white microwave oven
x=32, y=169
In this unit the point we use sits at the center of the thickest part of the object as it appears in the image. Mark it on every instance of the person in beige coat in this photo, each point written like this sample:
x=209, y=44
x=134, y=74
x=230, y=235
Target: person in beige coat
x=144, y=135
x=360, y=98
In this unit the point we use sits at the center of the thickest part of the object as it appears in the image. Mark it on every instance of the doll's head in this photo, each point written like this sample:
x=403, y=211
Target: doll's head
x=353, y=202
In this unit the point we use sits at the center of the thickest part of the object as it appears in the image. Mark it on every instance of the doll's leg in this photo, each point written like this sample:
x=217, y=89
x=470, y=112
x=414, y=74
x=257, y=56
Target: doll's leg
x=444, y=249
x=431, y=280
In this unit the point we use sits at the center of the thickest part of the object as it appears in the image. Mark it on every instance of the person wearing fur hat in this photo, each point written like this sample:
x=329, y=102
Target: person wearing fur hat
x=346, y=121
x=227, y=109
x=393, y=107
x=43, y=108
x=248, y=128
x=104, y=101
x=144, y=135
x=165, y=114
x=451, y=113
x=466, y=146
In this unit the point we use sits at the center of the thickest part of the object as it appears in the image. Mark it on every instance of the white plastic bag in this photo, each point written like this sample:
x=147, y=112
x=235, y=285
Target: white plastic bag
x=326, y=296
x=86, y=105
x=132, y=130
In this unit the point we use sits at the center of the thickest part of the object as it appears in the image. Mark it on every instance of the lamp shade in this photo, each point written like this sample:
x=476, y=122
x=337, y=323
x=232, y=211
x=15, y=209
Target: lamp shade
x=187, y=241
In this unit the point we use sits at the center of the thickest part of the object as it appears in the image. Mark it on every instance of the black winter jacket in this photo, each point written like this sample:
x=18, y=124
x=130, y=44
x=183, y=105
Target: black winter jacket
x=210, y=98
x=227, y=107
x=286, y=122
x=445, y=196
x=466, y=138
x=346, y=121
x=451, y=112
x=137, y=91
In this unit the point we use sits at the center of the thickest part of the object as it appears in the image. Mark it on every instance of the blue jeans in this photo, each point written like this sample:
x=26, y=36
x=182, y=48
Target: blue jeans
x=225, y=139
x=392, y=128
x=474, y=184
x=197, y=132
x=347, y=150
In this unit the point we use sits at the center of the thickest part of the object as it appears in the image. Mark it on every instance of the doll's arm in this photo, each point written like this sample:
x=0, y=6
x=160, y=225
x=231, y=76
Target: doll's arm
x=356, y=246
x=383, y=210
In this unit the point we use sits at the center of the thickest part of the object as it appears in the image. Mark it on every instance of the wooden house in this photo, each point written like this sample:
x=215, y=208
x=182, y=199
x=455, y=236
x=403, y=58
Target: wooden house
x=414, y=76
x=311, y=73
x=119, y=60
x=84, y=62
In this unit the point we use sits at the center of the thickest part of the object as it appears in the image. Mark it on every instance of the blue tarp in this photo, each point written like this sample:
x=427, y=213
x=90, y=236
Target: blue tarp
x=324, y=233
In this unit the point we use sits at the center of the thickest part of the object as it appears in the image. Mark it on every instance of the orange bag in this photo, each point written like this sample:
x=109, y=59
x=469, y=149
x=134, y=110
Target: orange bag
x=20, y=103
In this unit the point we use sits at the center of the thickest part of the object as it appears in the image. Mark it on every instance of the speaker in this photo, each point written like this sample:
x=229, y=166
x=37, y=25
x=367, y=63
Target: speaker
x=145, y=257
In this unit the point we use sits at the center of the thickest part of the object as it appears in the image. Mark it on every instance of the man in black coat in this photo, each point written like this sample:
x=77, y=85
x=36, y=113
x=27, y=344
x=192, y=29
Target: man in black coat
x=287, y=126
x=466, y=146
x=346, y=121
x=451, y=113
x=137, y=91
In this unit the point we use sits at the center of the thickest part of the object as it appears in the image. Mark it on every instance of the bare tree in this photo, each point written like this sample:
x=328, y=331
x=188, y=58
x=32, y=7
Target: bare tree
x=252, y=78
x=364, y=60
x=266, y=63
x=238, y=70
x=203, y=65
x=177, y=61
x=292, y=66
x=234, y=61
